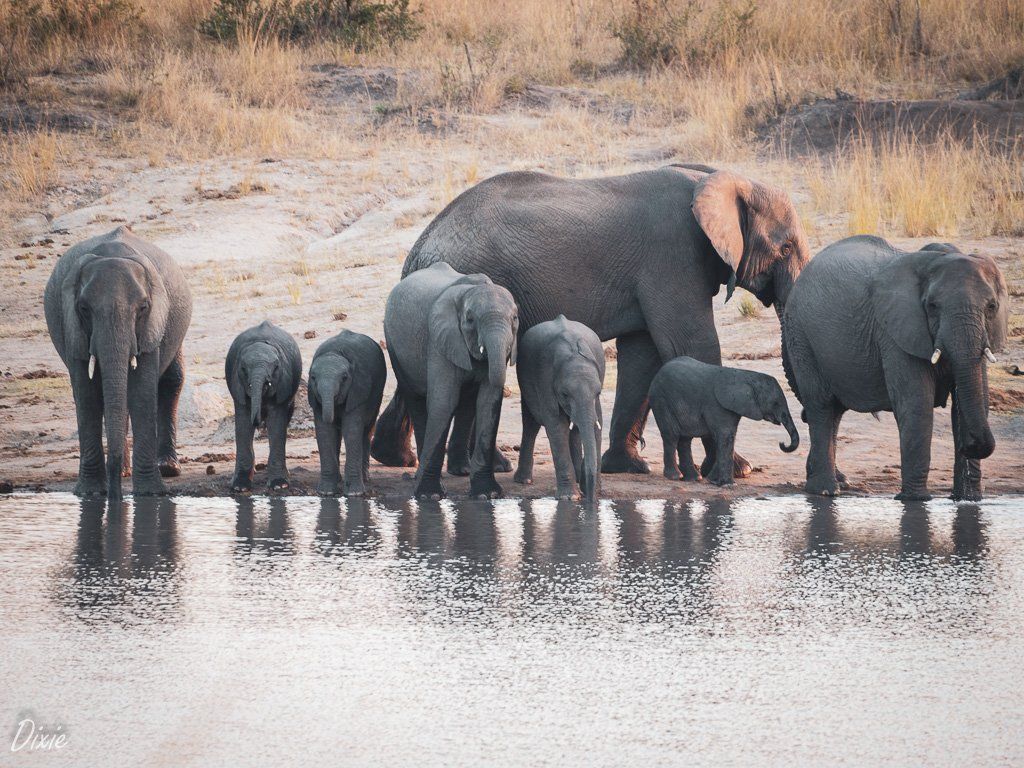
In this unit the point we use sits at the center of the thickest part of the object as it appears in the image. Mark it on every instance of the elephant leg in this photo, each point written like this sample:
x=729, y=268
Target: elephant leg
x=244, y=457
x=966, y=472
x=915, y=413
x=92, y=468
x=353, y=433
x=328, y=445
x=722, y=473
x=561, y=456
x=689, y=469
x=637, y=360
x=670, y=448
x=488, y=414
x=821, y=458
x=390, y=444
x=126, y=457
x=443, y=399
x=461, y=435
x=278, y=417
x=841, y=480
x=524, y=474
x=168, y=392
x=367, y=436
x=142, y=407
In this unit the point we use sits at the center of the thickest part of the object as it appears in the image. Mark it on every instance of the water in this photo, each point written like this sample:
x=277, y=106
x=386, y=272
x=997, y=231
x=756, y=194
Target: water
x=214, y=632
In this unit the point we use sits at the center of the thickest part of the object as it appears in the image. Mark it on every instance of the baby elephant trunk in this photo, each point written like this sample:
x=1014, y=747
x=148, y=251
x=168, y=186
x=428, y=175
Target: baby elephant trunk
x=256, y=382
x=587, y=474
x=794, y=437
x=327, y=392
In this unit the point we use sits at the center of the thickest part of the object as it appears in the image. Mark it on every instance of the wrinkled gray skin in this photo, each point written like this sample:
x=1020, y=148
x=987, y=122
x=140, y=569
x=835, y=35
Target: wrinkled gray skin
x=450, y=338
x=561, y=372
x=860, y=330
x=346, y=384
x=119, y=298
x=693, y=399
x=636, y=258
x=263, y=369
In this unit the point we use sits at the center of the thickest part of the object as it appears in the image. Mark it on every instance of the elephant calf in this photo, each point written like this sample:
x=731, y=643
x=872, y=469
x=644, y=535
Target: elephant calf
x=450, y=338
x=117, y=309
x=346, y=385
x=870, y=328
x=263, y=369
x=693, y=399
x=561, y=373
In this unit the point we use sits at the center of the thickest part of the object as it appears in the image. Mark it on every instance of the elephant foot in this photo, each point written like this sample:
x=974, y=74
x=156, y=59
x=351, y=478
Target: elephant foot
x=169, y=467
x=279, y=483
x=150, y=487
x=429, y=488
x=622, y=460
x=458, y=467
x=501, y=462
x=913, y=496
x=822, y=486
x=484, y=488
x=973, y=494
x=90, y=486
x=721, y=482
x=691, y=475
x=355, y=490
x=523, y=477
x=567, y=494
x=740, y=467
x=328, y=488
x=672, y=473
x=841, y=480
x=241, y=483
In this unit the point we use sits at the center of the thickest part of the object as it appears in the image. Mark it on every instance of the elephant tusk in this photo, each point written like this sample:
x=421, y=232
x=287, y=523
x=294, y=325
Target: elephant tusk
x=936, y=355
x=481, y=350
x=989, y=355
x=571, y=426
x=92, y=365
x=134, y=362
x=597, y=424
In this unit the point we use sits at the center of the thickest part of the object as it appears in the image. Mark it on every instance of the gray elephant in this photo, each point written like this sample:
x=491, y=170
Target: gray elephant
x=263, y=370
x=345, y=387
x=693, y=399
x=117, y=309
x=869, y=328
x=450, y=338
x=637, y=258
x=561, y=373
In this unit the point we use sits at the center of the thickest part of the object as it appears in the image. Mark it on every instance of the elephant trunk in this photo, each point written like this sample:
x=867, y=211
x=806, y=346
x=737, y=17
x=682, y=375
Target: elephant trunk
x=970, y=378
x=113, y=350
x=327, y=392
x=588, y=476
x=794, y=437
x=497, y=343
x=256, y=381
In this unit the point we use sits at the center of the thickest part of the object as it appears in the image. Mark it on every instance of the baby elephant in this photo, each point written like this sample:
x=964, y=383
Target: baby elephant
x=561, y=372
x=693, y=399
x=263, y=369
x=346, y=383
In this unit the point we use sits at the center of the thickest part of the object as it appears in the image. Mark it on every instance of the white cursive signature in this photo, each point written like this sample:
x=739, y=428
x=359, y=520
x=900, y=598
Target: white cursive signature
x=38, y=738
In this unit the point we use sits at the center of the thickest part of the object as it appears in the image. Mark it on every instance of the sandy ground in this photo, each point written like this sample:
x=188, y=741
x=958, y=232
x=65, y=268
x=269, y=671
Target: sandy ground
x=315, y=246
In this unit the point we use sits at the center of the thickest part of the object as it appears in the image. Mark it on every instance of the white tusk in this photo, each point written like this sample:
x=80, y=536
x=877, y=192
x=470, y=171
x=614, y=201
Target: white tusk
x=936, y=355
x=481, y=350
x=92, y=365
x=571, y=426
x=989, y=355
x=597, y=424
x=134, y=362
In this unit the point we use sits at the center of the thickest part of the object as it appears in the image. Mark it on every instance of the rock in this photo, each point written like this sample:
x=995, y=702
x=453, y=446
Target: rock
x=210, y=470
x=204, y=402
x=309, y=335
x=6, y=486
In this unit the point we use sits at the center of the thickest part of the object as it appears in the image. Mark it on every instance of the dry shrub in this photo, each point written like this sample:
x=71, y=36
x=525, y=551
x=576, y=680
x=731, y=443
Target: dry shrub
x=906, y=187
x=30, y=163
x=260, y=75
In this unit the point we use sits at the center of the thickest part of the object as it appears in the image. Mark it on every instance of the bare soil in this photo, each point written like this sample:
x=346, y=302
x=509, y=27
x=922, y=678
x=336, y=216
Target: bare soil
x=316, y=244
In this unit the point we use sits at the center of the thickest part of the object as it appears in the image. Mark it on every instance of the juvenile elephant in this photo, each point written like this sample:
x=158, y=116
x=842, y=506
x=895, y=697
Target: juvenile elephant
x=346, y=384
x=693, y=399
x=869, y=328
x=450, y=338
x=637, y=258
x=263, y=369
x=117, y=309
x=561, y=372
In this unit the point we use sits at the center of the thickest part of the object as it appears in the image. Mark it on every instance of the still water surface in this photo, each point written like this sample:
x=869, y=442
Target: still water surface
x=300, y=631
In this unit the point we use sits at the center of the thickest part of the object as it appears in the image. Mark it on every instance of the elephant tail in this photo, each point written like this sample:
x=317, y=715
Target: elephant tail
x=391, y=437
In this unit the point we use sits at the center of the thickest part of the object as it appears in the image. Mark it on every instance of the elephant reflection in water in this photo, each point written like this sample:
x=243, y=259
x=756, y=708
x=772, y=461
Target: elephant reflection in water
x=255, y=535
x=119, y=571
x=346, y=526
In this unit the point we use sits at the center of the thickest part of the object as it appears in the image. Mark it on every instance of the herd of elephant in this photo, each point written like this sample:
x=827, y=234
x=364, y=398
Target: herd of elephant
x=535, y=271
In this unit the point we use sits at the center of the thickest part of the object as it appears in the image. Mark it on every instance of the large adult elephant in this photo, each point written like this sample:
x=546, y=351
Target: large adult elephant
x=637, y=258
x=117, y=309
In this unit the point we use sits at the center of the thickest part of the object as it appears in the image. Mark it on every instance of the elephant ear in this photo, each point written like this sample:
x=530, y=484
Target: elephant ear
x=151, y=333
x=445, y=329
x=736, y=394
x=896, y=298
x=719, y=205
x=998, y=327
x=76, y=340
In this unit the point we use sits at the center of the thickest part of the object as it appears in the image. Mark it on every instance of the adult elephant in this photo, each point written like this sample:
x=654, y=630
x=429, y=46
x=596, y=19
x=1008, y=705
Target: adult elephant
x=637, y=258
x=117, y=309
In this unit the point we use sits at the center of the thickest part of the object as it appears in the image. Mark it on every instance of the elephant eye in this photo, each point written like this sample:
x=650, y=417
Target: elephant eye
x=786, y=249
x=992, y=306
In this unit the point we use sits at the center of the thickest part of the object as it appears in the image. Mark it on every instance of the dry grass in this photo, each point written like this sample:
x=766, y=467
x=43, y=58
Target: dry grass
x=908, y=188
x=30, y=163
